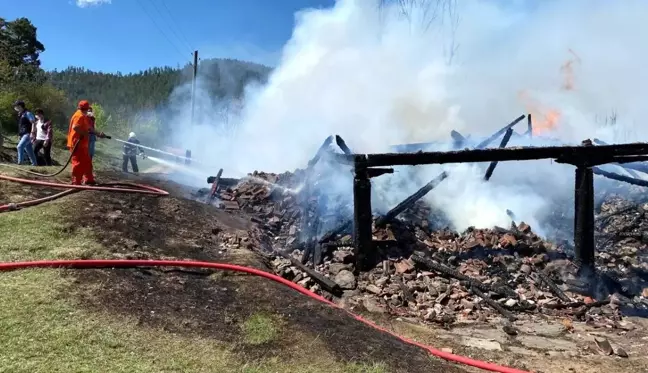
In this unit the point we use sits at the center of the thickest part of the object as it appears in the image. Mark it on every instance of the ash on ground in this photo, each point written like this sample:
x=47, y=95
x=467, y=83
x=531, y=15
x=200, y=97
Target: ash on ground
x=445, y=277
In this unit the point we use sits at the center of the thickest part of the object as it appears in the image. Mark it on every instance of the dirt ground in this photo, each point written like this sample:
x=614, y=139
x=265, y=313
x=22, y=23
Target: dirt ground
x=210, y=305
x=202, y=303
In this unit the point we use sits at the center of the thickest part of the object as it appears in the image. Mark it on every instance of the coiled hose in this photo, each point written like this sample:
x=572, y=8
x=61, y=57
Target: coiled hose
x=103, y=263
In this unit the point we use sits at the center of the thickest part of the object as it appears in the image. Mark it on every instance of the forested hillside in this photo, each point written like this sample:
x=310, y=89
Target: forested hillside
x=222, y=78
x=120, y=99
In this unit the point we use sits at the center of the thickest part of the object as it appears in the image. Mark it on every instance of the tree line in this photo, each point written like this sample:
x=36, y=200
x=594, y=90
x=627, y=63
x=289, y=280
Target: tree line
x=120, y=98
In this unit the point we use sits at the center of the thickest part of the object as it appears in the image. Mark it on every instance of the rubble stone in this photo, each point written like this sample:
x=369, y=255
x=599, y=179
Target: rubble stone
x=503, y=264
x=346, y=279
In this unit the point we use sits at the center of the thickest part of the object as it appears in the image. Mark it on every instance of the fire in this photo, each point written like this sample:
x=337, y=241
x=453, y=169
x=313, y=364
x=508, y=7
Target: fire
x=543, y=119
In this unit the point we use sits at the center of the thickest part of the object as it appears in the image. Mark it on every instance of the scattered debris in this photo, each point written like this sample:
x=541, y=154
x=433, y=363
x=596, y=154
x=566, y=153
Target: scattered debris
x=443, y=276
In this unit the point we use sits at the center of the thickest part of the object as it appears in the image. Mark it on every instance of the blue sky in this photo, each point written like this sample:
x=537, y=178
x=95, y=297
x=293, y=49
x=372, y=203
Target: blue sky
x=131, y=35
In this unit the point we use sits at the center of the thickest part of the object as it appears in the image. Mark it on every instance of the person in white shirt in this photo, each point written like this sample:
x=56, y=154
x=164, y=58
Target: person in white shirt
x=44, y=134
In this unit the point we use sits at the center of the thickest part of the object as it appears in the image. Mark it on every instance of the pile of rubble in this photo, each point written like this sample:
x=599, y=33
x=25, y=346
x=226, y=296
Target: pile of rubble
x=442, y=276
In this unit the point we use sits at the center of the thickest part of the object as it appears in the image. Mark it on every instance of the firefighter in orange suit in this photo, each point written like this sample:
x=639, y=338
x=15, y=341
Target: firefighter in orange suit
x=79, y=131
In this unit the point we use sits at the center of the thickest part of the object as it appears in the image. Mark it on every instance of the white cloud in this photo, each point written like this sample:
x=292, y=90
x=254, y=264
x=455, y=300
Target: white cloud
x=88, y=3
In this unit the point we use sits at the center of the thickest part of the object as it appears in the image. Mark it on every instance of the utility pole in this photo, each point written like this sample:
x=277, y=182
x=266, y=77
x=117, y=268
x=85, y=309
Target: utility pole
x=193, y=86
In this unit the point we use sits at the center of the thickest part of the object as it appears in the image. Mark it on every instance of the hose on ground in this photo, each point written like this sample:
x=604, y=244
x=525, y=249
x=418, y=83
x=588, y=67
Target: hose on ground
x=117, y=187
x=84, y=264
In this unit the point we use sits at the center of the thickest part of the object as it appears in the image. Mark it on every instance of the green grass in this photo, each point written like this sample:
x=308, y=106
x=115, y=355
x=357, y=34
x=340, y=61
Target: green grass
x=43, y=328
x=260, y=329
x=40, y=331
x=41, y=233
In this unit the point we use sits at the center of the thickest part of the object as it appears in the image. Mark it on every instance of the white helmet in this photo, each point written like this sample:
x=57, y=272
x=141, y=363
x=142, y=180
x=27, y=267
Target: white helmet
x=131, y=135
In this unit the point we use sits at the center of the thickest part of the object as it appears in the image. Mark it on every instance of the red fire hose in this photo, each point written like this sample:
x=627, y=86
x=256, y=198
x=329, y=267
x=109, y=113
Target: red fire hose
x=109, y=187
x=231, y=267
x=145, y=189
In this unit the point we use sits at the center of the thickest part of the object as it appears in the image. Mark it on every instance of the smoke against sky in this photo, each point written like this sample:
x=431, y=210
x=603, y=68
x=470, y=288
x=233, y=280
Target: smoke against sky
x=379, y=78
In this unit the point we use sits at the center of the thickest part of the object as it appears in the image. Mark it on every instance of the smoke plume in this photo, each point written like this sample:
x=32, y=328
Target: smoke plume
x=381, y=73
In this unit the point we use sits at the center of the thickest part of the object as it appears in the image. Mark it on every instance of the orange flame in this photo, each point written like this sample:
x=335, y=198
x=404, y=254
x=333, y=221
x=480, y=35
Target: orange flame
x=543, y=119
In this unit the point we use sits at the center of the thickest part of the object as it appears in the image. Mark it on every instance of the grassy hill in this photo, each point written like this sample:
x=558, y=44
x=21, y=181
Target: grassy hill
x=153, y=320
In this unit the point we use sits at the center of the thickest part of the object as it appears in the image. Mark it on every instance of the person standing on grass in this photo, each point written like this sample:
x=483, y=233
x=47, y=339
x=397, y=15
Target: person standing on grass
x=44, y=135
x=131, y=150
x=94, y=135
x=78, y=143
x=26, y=133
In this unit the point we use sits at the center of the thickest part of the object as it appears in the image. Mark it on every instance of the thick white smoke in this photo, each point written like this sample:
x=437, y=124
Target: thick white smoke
x=379, y=77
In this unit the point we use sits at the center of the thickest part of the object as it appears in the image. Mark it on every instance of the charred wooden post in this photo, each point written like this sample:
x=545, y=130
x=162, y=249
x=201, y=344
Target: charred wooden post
x=493, y=164
x=584, y=216
x=458, y=140
x=322, y=149
x=529, y=126
x=214, y=189
x=342, y=144
x=362, y=218
x=409, y=201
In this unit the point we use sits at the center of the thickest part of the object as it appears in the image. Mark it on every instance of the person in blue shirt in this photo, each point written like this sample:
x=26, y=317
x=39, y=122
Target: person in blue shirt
x=26, y=132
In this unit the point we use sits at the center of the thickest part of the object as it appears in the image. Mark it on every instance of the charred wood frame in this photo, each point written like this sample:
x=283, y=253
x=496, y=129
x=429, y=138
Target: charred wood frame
x=584, y=157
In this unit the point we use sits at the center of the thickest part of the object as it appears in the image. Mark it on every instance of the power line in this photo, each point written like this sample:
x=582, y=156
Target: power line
x=160, y=29
x=170, y=24
x=179, y=29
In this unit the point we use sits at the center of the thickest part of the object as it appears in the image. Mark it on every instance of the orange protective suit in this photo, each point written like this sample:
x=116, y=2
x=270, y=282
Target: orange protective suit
x=81, y=161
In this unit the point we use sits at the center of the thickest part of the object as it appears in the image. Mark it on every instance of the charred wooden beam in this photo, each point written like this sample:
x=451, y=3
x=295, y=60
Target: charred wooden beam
x=617, y=177
x=343, y=227
x=499, y=133
x=375, y=172
x=458, y=140
x=325, y=282
x=584, y=216
x=322, y=149
x=215, y=181
x=342, y=144
x=509, y=316
x=630, y=168
x=409, y=201
x=493, y=164
x=567, y=154
x=362, y=218
x=450, y=272
x=552, y=285
x=529, y=126
x=628, y=160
